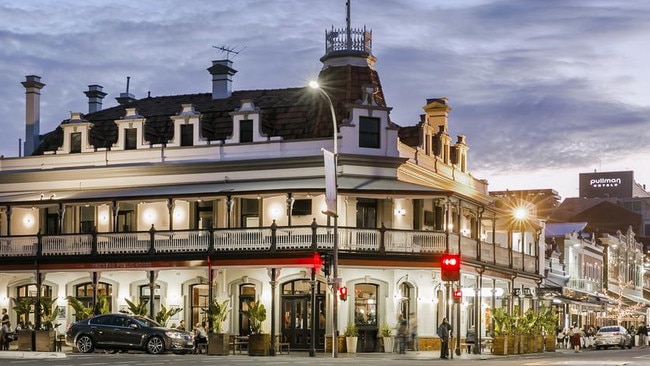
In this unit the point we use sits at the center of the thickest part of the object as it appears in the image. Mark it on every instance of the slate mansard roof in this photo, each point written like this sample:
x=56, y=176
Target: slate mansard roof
x=292, y=113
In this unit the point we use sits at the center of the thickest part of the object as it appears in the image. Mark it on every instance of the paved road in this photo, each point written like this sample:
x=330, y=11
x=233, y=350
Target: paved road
x=634, y=357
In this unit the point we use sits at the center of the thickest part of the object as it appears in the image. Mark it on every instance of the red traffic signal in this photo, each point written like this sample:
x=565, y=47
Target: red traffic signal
x=458, y=294
x=343, y=293
x=317, y=261
x=450, y=267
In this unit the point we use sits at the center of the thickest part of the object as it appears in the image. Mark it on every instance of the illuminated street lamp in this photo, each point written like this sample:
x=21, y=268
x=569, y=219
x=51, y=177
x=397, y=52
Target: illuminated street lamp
x=332, y=211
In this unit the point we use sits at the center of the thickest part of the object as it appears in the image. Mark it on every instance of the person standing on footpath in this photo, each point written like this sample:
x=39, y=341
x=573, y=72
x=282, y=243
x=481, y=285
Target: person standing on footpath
x=443, y=332
x=642, y=332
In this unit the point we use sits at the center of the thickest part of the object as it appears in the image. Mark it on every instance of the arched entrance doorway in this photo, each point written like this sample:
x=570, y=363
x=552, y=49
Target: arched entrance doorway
x=296, y=314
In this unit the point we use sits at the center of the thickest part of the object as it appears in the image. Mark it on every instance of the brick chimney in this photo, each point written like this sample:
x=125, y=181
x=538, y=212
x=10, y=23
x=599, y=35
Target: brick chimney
x=33, y=88
x=95, y=96
x=222, y=73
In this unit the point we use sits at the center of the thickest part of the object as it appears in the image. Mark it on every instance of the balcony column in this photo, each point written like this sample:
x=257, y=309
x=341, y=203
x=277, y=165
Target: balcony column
x=447, y=224
x=116, y=210
x=94, y=279
x=60, y=215
x=153, y=275
x=229, y=204
x=8, y=212
x=290, y=200
x=171, y=205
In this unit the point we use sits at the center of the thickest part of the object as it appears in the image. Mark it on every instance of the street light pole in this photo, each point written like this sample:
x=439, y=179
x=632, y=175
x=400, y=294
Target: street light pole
x=335, y=249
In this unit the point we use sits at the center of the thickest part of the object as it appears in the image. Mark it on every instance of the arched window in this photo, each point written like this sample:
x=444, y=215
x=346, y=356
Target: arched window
x=29, y=293
x=84, y=293
x=145, y=296
x=365, y=304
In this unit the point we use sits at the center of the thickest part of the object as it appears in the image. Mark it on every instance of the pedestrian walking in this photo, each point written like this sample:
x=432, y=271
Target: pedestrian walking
x=413, y=330
x=444, y=330
x=402, y=333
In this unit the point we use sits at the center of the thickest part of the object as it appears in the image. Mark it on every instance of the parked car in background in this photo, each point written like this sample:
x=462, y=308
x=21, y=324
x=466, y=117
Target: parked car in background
x=126, y=332
x=612, y=336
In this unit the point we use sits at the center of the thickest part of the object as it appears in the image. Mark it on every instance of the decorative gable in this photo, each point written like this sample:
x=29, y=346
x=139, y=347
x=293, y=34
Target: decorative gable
x=187, y=128
x=247, y=126
x=368, y=130
x=130, y=131
x=76, y=135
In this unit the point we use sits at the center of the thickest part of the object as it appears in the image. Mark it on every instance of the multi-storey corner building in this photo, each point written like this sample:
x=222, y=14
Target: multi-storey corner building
x=177, y=200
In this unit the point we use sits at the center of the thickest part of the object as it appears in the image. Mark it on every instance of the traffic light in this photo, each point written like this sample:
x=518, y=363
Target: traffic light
x=327, y=263
x=458, y=295
x=343, y=293
x=450, y=267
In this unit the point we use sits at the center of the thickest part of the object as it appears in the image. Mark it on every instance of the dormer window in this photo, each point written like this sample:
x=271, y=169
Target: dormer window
x=369, y=135
x=246, y=130
x=130, y=139
x=75, y=143
x=187, y=135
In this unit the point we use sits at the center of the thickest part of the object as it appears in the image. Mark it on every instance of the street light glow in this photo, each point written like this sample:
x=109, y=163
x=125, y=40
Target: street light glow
x=521, y=213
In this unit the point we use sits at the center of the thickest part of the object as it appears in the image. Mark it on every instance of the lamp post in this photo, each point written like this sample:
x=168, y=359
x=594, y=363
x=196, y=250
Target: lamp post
x=334, y=214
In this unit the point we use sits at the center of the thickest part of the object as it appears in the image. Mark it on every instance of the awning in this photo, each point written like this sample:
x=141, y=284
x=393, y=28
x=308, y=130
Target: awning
x=346, y=184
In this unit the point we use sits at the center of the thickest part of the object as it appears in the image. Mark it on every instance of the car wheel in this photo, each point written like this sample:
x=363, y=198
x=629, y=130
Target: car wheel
x=155, y=345
x=85, y=344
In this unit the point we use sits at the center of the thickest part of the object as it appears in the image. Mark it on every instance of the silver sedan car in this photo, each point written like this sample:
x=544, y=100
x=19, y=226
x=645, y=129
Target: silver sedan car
x=612, y=336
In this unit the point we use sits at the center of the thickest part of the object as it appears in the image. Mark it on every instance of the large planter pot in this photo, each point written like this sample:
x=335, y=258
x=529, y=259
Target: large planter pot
x=218, y=344
x=389, y=343
x=513, y=345
x=539, y=343
x=529, y=343
x=550, y=343
x=45, y=340
x=259, y=345
x=24, y=342
x=500, y=345
x=351, y=344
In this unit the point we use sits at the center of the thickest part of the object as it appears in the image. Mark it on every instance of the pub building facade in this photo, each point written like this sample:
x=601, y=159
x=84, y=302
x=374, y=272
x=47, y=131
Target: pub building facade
x=180, y=200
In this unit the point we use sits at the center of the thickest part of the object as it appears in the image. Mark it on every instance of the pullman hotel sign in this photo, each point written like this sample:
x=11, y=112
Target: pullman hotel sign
x=606, y=184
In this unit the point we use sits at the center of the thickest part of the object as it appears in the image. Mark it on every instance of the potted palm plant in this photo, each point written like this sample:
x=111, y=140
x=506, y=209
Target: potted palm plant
x=140, y=308
x=549, y=319
x=351, y=335
x=218, y=341
x=501, y=331
x=23, y=307
x=259, y=343
x=386, y=334
x=46, y=336
x=164, y=314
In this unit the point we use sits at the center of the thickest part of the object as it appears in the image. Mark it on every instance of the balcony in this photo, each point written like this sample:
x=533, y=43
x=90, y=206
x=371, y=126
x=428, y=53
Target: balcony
x=262, y=240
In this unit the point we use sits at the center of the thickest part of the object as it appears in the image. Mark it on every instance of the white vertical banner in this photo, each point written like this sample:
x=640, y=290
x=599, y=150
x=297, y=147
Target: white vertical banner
x=330, y=182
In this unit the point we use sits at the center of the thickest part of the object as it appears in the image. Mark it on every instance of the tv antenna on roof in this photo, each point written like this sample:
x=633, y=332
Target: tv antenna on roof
x=229, y=50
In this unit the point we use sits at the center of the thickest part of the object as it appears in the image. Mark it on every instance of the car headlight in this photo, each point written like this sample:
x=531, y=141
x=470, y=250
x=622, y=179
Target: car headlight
x=174, y=335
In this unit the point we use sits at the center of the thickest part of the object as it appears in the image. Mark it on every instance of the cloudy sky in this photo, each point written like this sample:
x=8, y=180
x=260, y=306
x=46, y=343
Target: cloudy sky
x=543, y=89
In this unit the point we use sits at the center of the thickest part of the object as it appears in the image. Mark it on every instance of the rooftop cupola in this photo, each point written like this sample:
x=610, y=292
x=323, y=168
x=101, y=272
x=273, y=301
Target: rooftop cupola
x=222, y=73
x=348, y=46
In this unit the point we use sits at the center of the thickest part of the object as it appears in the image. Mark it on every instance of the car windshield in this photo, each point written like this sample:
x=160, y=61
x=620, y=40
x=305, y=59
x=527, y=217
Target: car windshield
x=609, y=329
x=148, y=322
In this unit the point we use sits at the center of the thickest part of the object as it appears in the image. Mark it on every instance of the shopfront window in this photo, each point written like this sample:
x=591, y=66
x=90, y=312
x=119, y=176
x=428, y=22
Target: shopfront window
x=365, y=304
